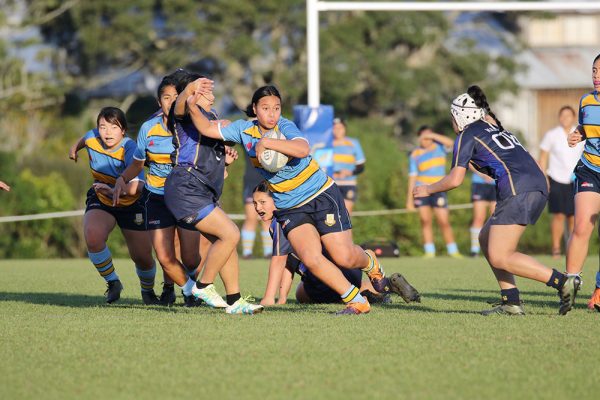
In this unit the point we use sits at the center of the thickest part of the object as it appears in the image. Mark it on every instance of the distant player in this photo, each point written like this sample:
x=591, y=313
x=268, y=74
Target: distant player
x=251, y=179
x=348, y=162
x=558, y=161
x=110, y=152
x=311, y=210
x=483, y=197
x=587, y=181
x=427, y=165
x=521, y=192
x=284, y=263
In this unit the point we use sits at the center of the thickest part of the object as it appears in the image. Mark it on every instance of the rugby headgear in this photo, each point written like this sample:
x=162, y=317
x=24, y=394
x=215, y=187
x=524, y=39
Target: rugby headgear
x=465, y=111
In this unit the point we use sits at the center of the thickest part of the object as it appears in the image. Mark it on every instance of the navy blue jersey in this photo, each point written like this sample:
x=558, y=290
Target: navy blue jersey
x=500, y=156
x=203, y=154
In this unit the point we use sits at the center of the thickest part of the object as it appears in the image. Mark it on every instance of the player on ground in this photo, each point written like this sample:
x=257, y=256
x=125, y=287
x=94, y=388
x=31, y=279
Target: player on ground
x=348, y=161
x=428, y=165
x=310, y=207
x=558, y=161
x=521, y=193
x=483, y=197
x=284, y=263
x=110, y=153
x=587, y=181
x=193, y=188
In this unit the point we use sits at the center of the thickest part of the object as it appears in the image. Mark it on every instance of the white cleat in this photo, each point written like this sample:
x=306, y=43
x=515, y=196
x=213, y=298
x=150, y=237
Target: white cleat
x=210, y=296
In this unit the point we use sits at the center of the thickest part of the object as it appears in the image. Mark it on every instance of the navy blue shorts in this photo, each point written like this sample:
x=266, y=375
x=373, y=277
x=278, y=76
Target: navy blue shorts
x=522, y=209
x=321, y=293
x=561, y=199
x=158, y=215
x=349, y=192
x=130, y=217
x=326, y=212
x=187, y=197
x=483, y=192
x=586, y=180
x=435, y=200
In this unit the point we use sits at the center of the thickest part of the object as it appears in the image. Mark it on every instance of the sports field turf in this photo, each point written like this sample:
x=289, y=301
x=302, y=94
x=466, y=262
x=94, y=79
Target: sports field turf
x=59, y=340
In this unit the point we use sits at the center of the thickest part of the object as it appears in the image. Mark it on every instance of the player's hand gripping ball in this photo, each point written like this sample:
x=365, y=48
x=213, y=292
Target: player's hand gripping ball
x=272, y=160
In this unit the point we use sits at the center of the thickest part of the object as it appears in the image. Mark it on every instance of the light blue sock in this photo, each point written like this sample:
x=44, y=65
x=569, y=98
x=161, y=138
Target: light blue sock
x=598, y=279
x=247, y=242
x=475, y=239
x=429, y=248
x=267, y=243
x=451, y=248
x=352, y=295
x=104, y=265
x=146, y=277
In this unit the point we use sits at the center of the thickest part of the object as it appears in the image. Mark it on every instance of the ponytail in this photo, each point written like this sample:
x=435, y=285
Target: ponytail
x=481, y=101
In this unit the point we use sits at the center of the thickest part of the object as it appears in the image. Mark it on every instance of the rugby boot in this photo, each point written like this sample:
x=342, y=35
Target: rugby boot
x=594, y=302
x=355, y=308
x=377, y=275
x=210, y=296
x=243, y=306
x=567, y=293
x=168, y=296
x=191, y=301
x=400, y=286
x=113, y=291
x=149, y=298
x=505, y=309
x=376, y=298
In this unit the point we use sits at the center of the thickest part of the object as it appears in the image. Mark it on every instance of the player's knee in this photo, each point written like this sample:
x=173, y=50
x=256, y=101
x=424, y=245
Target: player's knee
x=345, y=260
x=94, y=239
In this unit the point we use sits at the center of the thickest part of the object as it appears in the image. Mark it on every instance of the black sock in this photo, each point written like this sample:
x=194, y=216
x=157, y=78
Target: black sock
x=557, y=280
x=201, y=285
x=232, y=298
x=510, y=296
x=169, y=285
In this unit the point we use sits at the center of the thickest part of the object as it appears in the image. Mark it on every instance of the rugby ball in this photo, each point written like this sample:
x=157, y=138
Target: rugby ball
x=272, y=160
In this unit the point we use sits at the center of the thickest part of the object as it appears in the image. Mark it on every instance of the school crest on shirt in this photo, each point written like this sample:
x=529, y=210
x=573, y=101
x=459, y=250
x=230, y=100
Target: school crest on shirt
x=139, y=219
x=330, y=220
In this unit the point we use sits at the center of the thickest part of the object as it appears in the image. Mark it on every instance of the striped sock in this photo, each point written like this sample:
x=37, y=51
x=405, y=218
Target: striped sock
x=451, y=248
x=352, y=295
x=267, y=243
x=369, y=267
x=475, y=239
x=247, y=242
x=104, y=265
x=146, y=277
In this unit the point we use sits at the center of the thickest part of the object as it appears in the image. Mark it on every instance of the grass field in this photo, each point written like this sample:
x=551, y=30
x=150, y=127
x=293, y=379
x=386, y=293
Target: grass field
x=59, y=340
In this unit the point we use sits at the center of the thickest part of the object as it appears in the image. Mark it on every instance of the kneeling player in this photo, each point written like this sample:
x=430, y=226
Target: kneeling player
x=284, y=263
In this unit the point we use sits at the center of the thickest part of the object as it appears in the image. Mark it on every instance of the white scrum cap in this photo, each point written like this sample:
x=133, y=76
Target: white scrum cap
x=465, y=111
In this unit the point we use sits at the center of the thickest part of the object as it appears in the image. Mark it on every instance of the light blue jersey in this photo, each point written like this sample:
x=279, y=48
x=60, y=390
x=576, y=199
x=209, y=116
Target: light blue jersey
x=428, y=165
x=589, y=118
x=476, y=178
x=298, y=182
x=155, y=145
x=347, y=154
x=107, y=165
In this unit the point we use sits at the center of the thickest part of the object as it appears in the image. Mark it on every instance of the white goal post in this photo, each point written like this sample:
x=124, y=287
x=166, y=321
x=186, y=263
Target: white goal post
x=313, y=7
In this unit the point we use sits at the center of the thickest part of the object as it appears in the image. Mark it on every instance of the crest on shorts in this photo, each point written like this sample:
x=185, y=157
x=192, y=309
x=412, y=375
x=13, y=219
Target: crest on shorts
x=441, y=202
x=139, y=219
x=330, y=220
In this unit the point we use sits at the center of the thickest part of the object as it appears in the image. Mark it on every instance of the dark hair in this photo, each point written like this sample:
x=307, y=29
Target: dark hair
x=182, y=78
x=113, y=115
x=563, y=108
x=422, y=128
x=259, y=94
x=596, y=59
x=263, y=187
x=481, y=101
x=166, y=82
x=186, y=79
